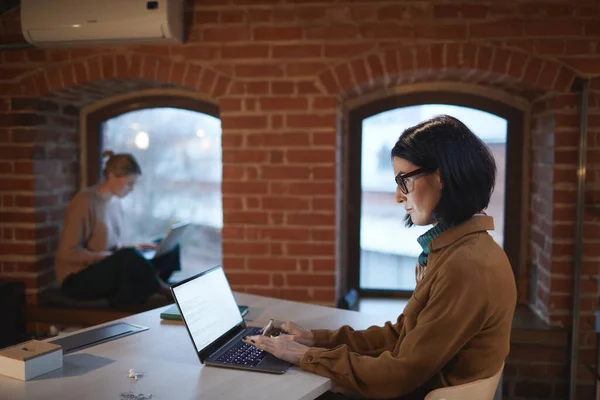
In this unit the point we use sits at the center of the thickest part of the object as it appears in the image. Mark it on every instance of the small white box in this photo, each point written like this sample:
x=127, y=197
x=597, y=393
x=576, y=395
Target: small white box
x=27, y=360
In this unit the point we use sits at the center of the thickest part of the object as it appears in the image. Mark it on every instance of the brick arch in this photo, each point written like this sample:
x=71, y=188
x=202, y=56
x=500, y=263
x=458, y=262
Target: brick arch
x=125, y=66
x=511, y=71
x=44, y=152
x=542, y=85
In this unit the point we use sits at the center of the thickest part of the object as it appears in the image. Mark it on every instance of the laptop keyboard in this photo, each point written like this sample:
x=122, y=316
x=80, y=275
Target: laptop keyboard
x=243, y=353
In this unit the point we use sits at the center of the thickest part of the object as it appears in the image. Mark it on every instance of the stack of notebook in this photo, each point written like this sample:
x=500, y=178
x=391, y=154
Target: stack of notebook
x=172, y=312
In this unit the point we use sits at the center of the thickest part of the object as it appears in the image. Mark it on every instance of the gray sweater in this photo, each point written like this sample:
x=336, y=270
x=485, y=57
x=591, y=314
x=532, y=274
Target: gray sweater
x=92, y=226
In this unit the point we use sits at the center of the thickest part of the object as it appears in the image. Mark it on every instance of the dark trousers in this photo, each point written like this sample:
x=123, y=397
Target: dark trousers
x=124, y=277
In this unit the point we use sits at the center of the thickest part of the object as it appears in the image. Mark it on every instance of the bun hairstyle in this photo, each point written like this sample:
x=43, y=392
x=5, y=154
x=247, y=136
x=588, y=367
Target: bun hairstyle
x=122, y=164
x=108, y=153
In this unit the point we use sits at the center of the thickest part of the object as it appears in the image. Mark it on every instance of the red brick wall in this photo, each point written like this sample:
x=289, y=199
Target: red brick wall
x=37, y=147
x=278, y=71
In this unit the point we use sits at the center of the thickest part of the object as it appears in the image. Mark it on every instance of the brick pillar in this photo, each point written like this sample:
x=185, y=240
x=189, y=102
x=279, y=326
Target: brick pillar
x=279, y=173
x=39, y=174
x=555, y=140
x=590, y=269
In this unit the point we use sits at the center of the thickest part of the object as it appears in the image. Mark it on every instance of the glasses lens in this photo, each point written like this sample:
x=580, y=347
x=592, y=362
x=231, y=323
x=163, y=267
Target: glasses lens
x=401, y=184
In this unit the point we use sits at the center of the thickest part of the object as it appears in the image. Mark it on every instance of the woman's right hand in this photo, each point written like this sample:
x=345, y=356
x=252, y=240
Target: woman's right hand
x=145, y=246
x=102, y=255
x=295, y=331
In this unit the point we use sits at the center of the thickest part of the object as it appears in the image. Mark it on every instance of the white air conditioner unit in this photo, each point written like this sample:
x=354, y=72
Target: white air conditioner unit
x=52, y=23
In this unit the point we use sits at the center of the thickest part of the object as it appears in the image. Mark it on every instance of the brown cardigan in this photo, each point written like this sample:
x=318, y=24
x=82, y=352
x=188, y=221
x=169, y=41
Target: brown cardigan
x=455, y=328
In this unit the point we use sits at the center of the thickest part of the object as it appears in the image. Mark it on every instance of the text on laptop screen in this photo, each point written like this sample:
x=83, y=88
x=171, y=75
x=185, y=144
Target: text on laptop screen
x=208, y=307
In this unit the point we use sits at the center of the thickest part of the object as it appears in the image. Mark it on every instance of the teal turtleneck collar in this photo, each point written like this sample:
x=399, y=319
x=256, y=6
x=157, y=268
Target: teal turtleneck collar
x=426, y=238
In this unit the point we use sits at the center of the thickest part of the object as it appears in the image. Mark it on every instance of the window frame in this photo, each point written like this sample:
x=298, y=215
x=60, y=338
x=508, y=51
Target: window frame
x=95, y=119
x=516, y=184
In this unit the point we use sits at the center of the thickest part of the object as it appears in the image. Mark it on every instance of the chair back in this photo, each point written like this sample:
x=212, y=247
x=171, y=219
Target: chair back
x=482, y=389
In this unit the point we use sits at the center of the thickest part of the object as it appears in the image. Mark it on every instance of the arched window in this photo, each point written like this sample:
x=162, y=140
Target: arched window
x=177, y=142
x=380, y=252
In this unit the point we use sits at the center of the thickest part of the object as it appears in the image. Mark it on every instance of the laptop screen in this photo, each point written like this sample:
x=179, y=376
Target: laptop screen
x=208, y=307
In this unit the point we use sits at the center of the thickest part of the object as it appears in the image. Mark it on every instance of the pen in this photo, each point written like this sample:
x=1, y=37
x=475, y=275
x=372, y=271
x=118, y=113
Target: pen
x=267, y=327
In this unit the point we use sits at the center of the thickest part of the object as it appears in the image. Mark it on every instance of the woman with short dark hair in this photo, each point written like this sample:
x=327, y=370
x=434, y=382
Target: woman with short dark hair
x=91, y=261
x=456, y=327
x=447, y=149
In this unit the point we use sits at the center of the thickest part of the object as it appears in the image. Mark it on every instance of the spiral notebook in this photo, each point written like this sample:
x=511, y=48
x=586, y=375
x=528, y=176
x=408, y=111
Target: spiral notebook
x=172, y=313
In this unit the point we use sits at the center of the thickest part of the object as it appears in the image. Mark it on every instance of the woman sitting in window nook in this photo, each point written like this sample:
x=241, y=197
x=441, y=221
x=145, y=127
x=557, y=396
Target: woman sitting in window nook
x=456, y=327
x=91, y=262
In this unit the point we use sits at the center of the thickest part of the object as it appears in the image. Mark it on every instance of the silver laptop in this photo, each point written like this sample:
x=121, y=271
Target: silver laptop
x=216, y=327
x=169, y=242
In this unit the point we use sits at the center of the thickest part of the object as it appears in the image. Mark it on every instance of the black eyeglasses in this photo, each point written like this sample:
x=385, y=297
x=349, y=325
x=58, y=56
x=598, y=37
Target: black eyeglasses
x=402, y=179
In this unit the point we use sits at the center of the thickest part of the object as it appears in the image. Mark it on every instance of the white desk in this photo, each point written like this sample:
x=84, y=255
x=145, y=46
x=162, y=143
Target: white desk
x=165, y=355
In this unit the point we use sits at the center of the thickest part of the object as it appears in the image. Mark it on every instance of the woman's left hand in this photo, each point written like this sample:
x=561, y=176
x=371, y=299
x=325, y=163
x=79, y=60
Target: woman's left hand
x=282, y=346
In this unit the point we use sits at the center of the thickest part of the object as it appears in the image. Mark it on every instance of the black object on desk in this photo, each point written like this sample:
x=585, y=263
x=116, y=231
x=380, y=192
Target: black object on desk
x=596, y=370
x=172, y=313
x=12, y=298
